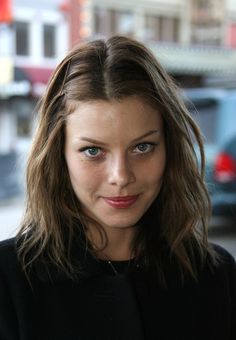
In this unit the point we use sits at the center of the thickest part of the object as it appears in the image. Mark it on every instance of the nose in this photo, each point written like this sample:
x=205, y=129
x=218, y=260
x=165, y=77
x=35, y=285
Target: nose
x=120, y=172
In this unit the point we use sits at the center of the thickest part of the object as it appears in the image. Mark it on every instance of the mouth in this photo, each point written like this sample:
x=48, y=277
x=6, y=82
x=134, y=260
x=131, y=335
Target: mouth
x=121, y=202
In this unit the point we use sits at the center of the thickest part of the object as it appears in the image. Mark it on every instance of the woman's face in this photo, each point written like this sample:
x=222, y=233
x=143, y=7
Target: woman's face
x=115, y=153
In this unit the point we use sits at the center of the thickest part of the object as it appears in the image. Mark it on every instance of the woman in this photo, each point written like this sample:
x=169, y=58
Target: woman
x=114, y=240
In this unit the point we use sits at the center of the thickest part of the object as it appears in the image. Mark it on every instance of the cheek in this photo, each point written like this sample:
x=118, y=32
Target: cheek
x=84, y=175
x=153, y=170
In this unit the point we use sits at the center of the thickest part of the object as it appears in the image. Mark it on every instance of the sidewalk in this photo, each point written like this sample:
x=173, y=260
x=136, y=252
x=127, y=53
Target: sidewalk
x=11, y=212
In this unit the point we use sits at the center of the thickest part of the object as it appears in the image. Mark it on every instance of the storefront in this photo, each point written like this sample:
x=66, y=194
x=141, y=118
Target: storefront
x=18, y=100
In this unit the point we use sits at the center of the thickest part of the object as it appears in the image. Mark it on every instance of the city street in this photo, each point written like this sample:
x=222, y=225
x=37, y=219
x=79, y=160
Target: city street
x=11, y=213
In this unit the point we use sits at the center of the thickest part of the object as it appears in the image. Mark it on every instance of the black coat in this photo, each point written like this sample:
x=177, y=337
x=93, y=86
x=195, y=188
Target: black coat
x=103, y=306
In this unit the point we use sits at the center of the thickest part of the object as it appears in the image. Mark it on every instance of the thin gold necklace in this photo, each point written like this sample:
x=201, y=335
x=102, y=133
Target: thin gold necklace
x=112, y=267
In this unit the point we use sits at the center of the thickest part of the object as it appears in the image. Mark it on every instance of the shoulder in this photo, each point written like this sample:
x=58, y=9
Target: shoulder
x=16, y=295
x=7, y=248
x=8, y=256
x=221, y=274
x=218, y=285
x=6, y=244
x=225, y=261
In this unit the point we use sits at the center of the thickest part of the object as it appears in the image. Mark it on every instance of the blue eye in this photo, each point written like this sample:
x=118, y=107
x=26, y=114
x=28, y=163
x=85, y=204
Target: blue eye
x=143, y=148
x=92, y=152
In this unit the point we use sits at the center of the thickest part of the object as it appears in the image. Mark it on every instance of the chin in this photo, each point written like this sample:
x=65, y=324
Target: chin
x=120, y=222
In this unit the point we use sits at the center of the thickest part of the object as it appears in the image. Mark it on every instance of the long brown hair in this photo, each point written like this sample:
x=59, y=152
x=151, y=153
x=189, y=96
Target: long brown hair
x=115, y=69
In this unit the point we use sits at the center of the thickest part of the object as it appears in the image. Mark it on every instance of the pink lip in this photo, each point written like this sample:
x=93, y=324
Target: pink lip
x=121, y=202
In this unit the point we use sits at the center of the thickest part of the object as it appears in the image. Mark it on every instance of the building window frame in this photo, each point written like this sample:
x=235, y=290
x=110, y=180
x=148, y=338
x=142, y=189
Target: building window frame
x=22, y=38
x=49, y=40
x=162, y=28
x=108, y=21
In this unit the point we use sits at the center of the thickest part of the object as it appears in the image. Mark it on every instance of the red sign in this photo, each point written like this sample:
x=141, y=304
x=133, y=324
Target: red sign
x=5, y=11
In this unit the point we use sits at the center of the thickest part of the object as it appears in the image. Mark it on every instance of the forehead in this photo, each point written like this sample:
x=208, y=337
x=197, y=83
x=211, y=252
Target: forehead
x=130, y=113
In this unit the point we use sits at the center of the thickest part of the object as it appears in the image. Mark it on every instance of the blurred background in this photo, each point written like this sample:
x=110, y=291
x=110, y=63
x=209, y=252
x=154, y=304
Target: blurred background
x=194, y=40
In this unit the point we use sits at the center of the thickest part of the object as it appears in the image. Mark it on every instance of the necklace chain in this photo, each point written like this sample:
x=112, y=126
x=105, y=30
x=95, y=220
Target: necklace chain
x=112, y=267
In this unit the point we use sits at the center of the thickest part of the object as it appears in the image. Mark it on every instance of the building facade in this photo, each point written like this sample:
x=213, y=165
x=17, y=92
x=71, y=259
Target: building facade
x=194, y=39
x=34, y=36
x=201, y=22
x=37, y=38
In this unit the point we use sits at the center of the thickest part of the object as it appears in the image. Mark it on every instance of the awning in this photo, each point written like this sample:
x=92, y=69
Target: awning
x=195, y=60
x=39, y=78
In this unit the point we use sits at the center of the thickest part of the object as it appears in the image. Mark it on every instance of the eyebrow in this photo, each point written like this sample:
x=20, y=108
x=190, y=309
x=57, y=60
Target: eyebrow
x=94, y=141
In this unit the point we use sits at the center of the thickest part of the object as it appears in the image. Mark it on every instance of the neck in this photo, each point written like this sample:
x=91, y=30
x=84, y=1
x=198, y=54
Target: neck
x=119, y=243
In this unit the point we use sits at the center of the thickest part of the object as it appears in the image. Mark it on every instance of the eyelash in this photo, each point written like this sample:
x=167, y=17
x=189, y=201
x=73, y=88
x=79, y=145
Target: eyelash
x=101, y=155
x=151, y=148
x=86, y=148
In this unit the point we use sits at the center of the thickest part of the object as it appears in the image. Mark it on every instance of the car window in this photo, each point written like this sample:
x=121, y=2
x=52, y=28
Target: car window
x=204, y=112
x=230, y=147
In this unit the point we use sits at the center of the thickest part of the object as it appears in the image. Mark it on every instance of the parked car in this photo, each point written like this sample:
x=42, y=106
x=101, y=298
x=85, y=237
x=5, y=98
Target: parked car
x=9, y=179
x=215, y=112
x=224, y=174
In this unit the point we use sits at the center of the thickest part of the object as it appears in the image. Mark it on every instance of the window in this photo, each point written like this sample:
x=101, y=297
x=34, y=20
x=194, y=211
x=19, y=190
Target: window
x=49, y=41
x=111, y=21
x=152, y=27
x=122, y=22
x=162, y=28
x=23, y=108
x=207, y=34
x=202, y=4
x=207, y=18
x=22, y=38
x=169, y=29
x=101, y=21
